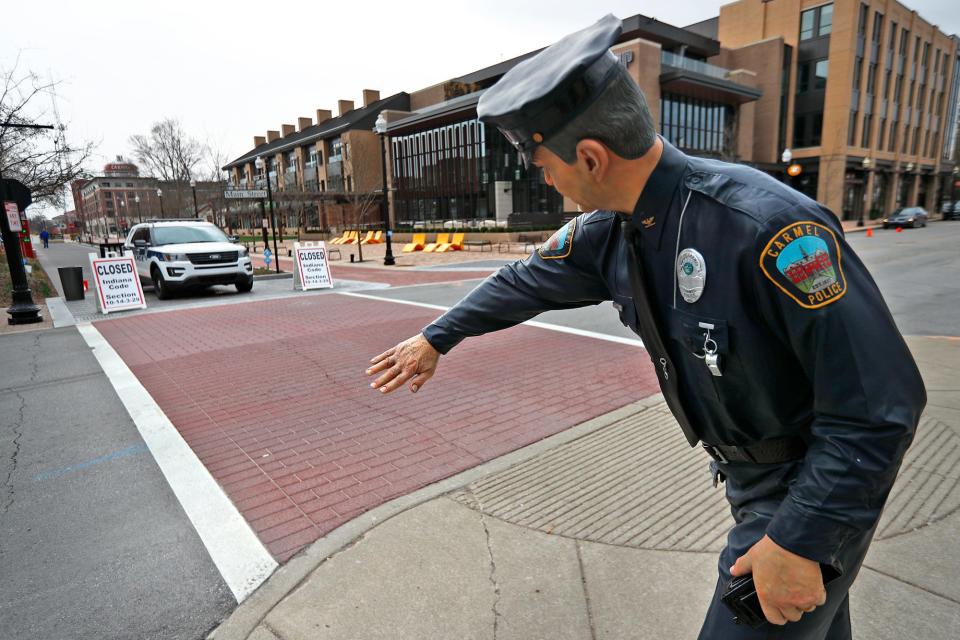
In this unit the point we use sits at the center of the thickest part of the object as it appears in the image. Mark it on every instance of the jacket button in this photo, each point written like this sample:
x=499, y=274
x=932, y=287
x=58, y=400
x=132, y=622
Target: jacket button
x=694, y=179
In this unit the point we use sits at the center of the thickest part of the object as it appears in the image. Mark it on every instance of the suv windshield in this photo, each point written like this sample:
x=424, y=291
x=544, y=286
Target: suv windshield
x=182, y=235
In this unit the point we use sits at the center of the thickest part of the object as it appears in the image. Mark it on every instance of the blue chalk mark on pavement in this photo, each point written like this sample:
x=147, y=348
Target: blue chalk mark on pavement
x=123, y=453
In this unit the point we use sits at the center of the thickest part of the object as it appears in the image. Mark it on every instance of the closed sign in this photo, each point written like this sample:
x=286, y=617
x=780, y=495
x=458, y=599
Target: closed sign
x=313, y=270
x=118, y=286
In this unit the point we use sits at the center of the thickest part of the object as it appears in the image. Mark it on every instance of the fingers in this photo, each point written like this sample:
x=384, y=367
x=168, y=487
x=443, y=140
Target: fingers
x=397, y=379
x=383, y=364
x=772, y=614
x=420, y=380
x=742, y=566
x=382, y=356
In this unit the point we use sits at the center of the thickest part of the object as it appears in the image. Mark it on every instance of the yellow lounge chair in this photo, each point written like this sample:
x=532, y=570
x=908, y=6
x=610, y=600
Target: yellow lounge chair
x=341, y=239
x=442, y=238
x=455, y=245
x=353, y=239
x=419, y=239
x=367, y=238
x=372, y=238
x=377, y=237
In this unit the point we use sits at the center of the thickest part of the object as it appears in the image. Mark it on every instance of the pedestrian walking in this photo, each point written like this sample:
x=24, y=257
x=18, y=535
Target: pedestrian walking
x=45, y=238
x=770, y=340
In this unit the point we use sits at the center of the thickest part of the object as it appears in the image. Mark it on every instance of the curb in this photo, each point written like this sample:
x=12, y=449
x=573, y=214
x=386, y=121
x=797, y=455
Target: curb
x=248, y=615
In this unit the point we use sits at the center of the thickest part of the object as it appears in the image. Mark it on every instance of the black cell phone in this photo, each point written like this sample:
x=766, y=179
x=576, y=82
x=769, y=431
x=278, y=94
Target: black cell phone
x=741, y=598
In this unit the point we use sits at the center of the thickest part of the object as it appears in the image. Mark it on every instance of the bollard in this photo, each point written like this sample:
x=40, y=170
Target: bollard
x=351, y=257
x=869, y=233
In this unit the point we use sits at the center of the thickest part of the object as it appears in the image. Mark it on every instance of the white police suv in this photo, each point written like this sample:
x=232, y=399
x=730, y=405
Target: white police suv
x=178, y=254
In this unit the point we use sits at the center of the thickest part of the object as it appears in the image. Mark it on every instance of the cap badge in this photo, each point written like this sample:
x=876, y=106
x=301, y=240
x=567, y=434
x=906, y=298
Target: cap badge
x=649, y=222
x=538, y=138
x=691, y=274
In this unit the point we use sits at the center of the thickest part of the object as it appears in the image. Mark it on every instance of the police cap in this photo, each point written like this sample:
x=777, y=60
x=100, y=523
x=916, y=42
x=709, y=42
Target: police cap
x=536, y=98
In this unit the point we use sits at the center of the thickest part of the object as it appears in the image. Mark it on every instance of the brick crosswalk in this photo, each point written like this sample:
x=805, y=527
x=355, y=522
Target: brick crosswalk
x=275, y=404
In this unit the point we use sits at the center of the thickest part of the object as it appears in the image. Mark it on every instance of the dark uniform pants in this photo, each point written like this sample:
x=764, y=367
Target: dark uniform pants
x=754, y=492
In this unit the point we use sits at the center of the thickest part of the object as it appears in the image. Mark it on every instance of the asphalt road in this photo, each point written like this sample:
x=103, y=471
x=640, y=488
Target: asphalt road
x=93, y=543
x=917, y=271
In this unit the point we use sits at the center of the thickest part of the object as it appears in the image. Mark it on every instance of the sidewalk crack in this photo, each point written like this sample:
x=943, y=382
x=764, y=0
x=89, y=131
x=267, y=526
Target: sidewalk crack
x=18, y=433
x=493, y=563
x=586, y=593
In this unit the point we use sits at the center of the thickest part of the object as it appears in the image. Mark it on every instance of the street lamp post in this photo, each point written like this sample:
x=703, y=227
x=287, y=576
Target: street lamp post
x=273, y=218
x=193, y=187
x=867, y=165
x=121, y=223
x=136, y=198
x=160, y=195
x=380, y=126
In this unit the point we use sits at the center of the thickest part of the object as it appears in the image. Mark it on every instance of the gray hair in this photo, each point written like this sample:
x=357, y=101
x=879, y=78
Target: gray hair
x=619, y=118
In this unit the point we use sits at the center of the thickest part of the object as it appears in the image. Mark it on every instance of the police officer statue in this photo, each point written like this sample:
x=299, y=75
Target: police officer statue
x=771, y=342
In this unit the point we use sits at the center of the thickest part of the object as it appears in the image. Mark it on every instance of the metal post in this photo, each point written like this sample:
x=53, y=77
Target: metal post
x=273, y=221
x=23, y=310
x=385, y=209
x=196, y=211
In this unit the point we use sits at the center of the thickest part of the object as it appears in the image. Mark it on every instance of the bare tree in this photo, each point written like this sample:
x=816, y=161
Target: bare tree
x=42, y=159
x=168, y=153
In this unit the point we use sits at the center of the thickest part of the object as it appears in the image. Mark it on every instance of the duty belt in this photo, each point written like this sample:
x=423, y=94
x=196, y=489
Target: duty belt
x=764, y=452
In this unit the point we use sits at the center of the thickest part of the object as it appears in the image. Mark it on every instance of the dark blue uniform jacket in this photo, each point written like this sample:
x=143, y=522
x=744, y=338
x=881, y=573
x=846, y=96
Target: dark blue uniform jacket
x=807, y=345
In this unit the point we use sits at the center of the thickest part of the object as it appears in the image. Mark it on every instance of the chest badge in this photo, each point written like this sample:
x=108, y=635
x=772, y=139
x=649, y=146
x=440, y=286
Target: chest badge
x=691, y=274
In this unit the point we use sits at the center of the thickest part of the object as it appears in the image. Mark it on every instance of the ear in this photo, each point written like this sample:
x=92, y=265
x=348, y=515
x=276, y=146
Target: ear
x=594, y=157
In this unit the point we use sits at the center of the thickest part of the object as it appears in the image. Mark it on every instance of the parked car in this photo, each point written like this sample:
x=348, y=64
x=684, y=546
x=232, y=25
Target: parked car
x=178, y=254
x=953, y=213
x=906, y=217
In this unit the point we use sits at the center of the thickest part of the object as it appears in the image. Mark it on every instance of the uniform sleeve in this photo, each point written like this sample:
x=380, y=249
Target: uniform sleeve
x=563, y=273
x=867, y=391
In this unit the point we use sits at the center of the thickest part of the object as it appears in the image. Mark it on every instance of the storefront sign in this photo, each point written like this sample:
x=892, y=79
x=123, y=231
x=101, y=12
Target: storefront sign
x=245, y=193
x=13, y=216
x=118, y=286
x=311, y=267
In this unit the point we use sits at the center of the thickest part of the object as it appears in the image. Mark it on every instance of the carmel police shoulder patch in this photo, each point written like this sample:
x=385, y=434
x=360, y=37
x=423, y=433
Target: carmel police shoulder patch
x=560, y=243
x=803, y=259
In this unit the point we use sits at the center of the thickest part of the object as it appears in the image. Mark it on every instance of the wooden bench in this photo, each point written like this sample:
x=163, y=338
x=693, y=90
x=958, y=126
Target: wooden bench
x=477, y=243
x=525, y=239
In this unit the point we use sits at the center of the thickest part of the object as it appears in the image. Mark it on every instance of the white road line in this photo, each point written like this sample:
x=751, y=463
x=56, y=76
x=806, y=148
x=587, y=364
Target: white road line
x=239, y=555
x=532, y=323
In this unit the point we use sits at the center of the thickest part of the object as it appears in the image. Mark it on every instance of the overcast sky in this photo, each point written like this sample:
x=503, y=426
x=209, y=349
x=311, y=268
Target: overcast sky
x=231, y=70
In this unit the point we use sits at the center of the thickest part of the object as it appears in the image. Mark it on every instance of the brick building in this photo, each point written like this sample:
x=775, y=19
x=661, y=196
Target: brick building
x=324, y=173
x=106, y=205
x=868, y=100
x=863, y=95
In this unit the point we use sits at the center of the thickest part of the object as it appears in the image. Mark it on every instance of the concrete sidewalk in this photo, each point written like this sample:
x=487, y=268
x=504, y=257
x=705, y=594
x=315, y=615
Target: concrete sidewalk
x=608, y=530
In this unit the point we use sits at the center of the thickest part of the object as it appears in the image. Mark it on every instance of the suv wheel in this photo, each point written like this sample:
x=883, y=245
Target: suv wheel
x=243, y=286
x=160, y=286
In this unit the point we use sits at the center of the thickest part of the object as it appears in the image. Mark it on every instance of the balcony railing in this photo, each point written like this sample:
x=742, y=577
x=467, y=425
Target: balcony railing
x=675, y=61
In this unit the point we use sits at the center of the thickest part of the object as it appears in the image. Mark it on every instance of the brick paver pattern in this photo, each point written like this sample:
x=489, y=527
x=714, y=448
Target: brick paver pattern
x=274, y=402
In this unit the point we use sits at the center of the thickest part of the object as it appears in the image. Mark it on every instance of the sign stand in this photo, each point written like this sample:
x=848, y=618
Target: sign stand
x=117, y=282
x=311, y=269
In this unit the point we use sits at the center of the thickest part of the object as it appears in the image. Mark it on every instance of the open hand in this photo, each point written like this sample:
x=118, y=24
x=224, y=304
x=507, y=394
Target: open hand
x=413, y=359
x=787, y=585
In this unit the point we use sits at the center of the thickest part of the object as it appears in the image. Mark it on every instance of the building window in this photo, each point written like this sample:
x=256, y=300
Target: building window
x=816, y=22
x=696, y=125
x=826, y=20
x=906, y=138
x=871, y=78
x=857, y=72
x=936, y=62
x=881, y=134
x=852, y=129
x=893, y=36
x=820, y=74
x=898, y=89
x=877, y=27
x=893, y=138
x=886, y=84
x=865, y=134
x=904, y=36
x=803, y=77
x=862, y=23
x=916, y=141
x=806, y=24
